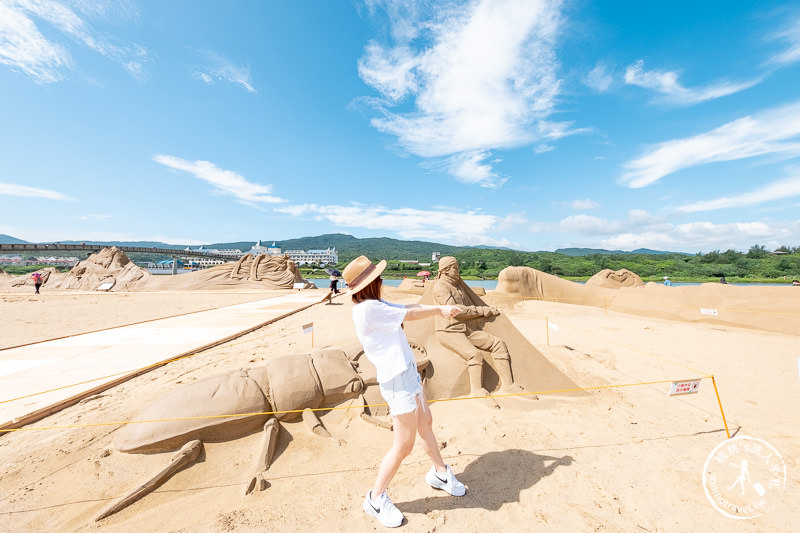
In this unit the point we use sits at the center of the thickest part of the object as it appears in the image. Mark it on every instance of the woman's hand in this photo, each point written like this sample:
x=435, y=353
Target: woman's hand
x=449, y=311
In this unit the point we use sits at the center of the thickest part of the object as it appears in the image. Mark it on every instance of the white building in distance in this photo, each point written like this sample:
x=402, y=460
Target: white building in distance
x=318, y=257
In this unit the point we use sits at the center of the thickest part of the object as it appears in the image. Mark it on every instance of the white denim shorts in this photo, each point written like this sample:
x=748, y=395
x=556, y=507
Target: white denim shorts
x=402, y=391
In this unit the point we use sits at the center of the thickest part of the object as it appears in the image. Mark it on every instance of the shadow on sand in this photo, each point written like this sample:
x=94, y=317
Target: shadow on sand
x=493, y=480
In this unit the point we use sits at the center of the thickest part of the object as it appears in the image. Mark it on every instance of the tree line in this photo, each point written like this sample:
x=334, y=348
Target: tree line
x=756, y=264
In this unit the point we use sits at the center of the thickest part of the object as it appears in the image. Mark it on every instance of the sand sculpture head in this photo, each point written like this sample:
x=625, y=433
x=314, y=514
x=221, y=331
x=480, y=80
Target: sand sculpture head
x=611, y=279
x=448, y=268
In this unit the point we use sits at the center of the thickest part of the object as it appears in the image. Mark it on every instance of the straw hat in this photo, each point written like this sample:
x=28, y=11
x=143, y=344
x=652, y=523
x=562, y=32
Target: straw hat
x=361, y=272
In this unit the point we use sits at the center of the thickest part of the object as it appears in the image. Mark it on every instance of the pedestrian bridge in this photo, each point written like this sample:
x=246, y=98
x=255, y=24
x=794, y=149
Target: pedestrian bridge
x=94, y=248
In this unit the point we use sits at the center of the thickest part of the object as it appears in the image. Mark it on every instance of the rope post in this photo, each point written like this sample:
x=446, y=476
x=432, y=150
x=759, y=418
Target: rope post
x=714, y=381
x=547, y=329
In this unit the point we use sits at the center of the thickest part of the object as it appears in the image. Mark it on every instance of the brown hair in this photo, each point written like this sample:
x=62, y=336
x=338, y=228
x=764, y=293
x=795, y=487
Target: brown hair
x=370, y=292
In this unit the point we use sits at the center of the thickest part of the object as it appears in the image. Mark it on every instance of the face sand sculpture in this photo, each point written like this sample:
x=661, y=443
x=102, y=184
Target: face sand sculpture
x=289, y=383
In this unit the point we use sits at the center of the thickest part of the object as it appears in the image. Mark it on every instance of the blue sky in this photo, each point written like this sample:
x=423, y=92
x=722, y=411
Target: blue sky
x=530, y=124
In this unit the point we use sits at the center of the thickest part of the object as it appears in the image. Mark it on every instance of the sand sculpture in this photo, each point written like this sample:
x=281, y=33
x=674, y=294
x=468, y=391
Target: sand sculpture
x=448, y=375
x=287, y=383
x=615, y=279
x=27, y=279
x=270, y=271
x=765, y=308
x=464, y=334
x=109, y=265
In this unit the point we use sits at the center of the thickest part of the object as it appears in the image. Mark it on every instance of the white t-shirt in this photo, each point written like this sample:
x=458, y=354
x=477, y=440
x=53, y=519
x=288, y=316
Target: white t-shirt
x=384, y=341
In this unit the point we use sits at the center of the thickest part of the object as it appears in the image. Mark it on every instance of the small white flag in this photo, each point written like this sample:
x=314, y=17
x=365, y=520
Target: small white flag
x=308, y=328
x=554, y=327
x=705, y=311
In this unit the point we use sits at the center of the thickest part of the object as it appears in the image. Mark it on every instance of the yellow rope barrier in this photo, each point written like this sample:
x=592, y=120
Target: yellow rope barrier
x=340, y=407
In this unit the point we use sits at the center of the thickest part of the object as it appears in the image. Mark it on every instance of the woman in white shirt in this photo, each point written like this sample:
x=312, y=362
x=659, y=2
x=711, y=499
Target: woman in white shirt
x=379, y=328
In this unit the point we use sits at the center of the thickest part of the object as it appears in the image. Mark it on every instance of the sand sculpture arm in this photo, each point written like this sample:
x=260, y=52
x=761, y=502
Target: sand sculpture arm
x=445, y=294
x=418, y=311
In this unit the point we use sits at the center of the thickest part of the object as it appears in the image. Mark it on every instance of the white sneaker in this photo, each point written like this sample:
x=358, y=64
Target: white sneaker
x=446, y=481
x=383, y=509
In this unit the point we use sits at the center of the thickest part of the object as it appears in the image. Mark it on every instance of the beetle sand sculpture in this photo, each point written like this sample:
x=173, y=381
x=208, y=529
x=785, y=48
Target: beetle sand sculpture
x=294, y=383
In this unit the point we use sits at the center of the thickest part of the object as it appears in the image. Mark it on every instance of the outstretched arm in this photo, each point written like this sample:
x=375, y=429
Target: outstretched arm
x=418, y=311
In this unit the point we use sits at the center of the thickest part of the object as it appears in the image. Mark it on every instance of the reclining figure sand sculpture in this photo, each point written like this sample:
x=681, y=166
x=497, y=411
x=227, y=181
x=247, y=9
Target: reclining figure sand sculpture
x=288, y=383
x=275, y=272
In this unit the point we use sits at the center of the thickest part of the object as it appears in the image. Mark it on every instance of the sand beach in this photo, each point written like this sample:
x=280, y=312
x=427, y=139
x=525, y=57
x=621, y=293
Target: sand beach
x=624, y=456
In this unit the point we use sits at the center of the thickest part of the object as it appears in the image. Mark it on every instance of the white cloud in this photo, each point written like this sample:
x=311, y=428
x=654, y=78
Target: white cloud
x=470, y=167
x=778, y=190
x=592, y=225
x=775, y=131
x=483, y=79
x=666, y=83
x=791, y=36
x=225, y=182
x=94, y=217
x=23, y=190
x=599, y=78
x=220, y=68
x=583, y=205
x=706, y=236
x=440, y=225
x=23, y=46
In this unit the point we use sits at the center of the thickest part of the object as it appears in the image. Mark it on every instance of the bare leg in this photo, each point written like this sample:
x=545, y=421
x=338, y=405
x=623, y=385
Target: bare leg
x=185, y=456
x=405, y=430
x=264, y=458
x=426, y=436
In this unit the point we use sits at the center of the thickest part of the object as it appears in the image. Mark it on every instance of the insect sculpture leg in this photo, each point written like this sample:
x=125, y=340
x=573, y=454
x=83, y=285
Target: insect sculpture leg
x=314, y=423
x=385, y=424
x=185, y=456
x=257, y=482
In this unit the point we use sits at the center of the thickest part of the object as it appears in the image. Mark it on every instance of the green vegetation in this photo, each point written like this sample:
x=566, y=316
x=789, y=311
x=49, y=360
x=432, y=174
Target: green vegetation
x=756, y=265
x=18, y=270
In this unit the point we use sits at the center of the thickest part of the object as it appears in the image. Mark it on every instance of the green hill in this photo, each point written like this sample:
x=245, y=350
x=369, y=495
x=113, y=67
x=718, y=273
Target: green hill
x=8, y=239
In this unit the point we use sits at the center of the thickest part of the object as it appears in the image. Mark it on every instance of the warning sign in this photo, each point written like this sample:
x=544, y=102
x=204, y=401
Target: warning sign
x=688, y=386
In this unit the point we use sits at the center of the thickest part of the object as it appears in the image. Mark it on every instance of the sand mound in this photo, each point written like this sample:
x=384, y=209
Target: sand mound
x=612, y=279
x=412, y=286
x=27, y=279
x=109, y=265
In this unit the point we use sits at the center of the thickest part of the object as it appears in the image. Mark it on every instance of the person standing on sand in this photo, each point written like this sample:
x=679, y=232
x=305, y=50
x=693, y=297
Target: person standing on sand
x=37, y=281
x=667, y=282
x=379, y=326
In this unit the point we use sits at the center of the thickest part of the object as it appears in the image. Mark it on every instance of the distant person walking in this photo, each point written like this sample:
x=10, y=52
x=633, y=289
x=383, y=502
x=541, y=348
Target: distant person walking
x=379, y=326
x=723, y=280
x=334, y=284
x=37, y=281
x=667, y=282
